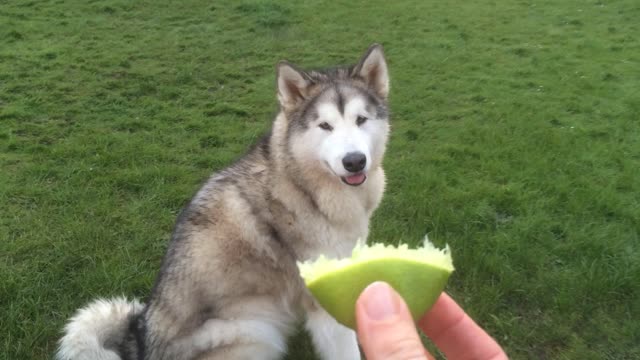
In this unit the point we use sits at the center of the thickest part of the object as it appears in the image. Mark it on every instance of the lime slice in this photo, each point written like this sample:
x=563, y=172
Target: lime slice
x=418, y=275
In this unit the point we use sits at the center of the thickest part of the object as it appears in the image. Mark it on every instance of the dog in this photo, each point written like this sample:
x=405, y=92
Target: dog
x=229, y=286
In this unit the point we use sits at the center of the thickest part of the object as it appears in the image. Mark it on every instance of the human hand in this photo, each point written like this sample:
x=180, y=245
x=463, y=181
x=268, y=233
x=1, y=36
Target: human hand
x=386, y=330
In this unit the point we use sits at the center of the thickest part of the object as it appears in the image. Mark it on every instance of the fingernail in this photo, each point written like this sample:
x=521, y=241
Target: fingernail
x=379, y=301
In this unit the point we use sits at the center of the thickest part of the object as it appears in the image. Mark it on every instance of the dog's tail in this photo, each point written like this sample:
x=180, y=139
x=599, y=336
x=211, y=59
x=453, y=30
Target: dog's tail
x=97, y=330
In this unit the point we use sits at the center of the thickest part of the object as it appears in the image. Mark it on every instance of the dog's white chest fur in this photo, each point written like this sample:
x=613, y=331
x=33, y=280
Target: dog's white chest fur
x=340, y=220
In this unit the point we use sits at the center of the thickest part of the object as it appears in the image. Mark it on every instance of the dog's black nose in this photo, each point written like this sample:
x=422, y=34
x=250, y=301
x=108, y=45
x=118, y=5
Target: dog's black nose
x=354, y=161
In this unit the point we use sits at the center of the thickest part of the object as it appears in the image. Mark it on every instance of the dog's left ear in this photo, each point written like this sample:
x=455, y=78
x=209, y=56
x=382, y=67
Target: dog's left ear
x=373, y=69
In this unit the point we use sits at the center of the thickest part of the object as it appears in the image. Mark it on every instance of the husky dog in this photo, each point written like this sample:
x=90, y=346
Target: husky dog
x=229, y=286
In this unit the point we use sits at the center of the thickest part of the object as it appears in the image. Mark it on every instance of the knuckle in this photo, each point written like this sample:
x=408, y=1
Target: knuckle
x=406, y=349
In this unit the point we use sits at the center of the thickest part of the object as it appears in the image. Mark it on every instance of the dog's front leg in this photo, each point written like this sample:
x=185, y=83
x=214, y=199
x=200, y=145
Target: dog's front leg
x=332, y=340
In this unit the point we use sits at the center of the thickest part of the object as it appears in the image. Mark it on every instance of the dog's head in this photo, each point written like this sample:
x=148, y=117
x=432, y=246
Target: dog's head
x=337, y=119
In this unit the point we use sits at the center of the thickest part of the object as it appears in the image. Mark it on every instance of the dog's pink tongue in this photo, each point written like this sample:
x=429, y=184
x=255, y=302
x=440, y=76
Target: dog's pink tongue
x=355, y=179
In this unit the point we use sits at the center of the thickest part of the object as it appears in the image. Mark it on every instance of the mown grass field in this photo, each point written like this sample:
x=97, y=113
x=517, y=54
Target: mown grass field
x=516, y=140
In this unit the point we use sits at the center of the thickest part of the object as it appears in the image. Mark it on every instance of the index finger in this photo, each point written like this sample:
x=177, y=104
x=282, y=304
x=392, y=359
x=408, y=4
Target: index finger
x=456, y=334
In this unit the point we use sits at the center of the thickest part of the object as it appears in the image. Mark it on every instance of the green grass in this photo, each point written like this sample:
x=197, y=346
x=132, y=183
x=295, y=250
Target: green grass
x=516, y=139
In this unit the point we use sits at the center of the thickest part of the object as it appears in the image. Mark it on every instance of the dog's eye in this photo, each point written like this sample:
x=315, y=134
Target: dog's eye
x=325, y=126
x=361, y=120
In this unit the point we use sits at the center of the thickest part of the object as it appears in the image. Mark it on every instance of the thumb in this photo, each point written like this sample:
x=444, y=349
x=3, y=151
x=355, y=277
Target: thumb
x=385, y=327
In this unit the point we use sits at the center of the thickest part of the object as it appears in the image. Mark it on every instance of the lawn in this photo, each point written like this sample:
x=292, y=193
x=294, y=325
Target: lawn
x=516, y=140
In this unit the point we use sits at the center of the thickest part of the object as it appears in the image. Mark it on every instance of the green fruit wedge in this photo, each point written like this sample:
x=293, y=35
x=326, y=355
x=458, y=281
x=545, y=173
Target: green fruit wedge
x=418, y=275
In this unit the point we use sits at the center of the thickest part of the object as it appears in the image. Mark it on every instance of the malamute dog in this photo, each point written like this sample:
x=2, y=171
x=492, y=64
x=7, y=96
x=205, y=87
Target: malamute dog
x=229, y=287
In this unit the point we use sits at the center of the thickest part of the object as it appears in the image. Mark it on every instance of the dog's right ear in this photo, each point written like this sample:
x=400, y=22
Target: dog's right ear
x=292, y=84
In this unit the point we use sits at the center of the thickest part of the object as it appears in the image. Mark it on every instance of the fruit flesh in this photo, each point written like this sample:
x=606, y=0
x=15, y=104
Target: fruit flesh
x=418, y=275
